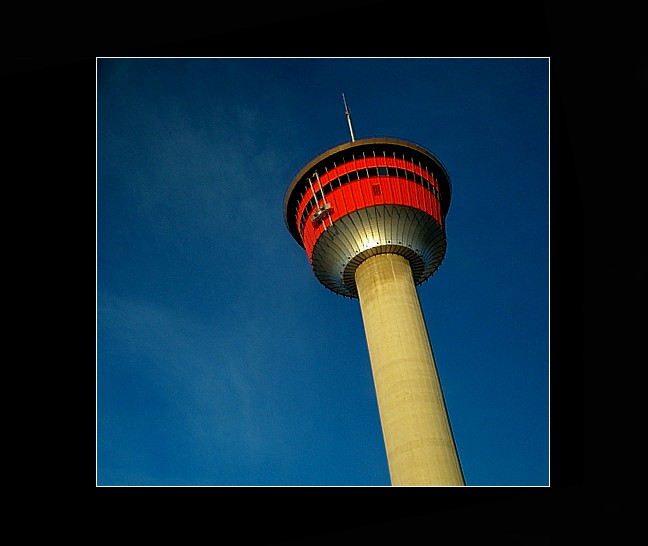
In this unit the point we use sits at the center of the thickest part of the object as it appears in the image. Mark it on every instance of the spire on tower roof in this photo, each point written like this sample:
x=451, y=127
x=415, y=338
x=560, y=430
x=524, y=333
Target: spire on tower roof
x=348, y=116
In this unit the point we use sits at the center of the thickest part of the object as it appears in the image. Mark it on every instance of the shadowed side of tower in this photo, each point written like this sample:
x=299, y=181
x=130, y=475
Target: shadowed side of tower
x=371, y=216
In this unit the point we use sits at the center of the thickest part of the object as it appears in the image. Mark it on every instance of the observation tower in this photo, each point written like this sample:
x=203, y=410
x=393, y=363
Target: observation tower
x=370, y=215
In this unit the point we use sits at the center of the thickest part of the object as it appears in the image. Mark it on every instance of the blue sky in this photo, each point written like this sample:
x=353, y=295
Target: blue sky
x=220, y=359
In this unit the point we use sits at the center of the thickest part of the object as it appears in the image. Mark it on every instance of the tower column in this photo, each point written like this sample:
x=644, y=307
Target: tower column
x=416, y=430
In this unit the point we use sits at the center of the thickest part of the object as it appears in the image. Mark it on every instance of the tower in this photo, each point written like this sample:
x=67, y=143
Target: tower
x=370, y=215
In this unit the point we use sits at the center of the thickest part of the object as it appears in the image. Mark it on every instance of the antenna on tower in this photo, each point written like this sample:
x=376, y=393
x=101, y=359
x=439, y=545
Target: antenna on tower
x=348, y=116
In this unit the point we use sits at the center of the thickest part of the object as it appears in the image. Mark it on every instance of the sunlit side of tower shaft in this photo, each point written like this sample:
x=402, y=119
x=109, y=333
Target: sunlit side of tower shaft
x=371, y=216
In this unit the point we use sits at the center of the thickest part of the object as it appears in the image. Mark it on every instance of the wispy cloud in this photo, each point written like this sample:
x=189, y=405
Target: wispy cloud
x=202, y=376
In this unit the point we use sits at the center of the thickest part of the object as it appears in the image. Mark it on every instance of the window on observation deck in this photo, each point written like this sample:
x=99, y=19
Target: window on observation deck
x=382, y=171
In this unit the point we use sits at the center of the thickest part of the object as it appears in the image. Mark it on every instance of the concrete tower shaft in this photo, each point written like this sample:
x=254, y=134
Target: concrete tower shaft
x=418, y=438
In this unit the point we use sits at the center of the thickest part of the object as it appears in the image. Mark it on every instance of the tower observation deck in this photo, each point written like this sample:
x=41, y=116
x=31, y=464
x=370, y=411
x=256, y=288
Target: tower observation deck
x=370, y=215
x=369, y=197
